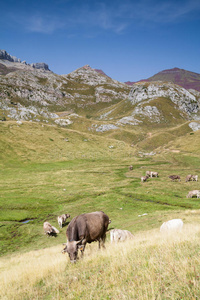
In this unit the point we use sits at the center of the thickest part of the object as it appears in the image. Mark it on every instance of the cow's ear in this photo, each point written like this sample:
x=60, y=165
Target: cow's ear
x=81, y=247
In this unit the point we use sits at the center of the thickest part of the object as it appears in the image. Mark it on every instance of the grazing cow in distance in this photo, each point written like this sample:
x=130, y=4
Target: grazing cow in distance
x=144, y=178
x=194, y=193
x=130, y=167
x=119, y=235
x=188, y=178
x=154, y=174
x=172, y=225
x=175, y=177
x=62, y=219
x=49, y=229
x=83, y=229
x=195, y=177
x=151, y=174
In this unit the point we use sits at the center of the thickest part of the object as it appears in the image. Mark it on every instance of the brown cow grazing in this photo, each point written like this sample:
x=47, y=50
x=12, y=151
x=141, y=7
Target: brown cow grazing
x=175, y=177
x=83, y=229
x=131, y=167
x=188, y=178
x=49, y=229
x=62, y=219
x=144, y=178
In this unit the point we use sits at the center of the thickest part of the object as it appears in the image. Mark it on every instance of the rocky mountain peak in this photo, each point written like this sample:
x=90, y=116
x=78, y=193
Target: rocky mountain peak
x=41, y=65
x=93, y=77
x=87, y=67
x=7, y=57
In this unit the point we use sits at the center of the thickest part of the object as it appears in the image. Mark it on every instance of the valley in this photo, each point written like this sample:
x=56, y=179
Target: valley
x=66, y=145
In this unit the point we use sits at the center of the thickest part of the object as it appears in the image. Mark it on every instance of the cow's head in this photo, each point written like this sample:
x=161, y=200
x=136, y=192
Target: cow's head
x=72, y=249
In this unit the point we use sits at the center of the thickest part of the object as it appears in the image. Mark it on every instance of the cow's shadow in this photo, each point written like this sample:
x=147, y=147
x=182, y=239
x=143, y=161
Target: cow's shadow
x=52, y=234
x=65, y=224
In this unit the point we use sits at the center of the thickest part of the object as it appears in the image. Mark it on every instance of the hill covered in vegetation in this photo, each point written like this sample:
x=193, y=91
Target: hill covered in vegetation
x=66, y=146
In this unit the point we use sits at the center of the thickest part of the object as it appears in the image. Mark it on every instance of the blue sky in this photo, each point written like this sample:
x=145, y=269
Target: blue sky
x=128, y=40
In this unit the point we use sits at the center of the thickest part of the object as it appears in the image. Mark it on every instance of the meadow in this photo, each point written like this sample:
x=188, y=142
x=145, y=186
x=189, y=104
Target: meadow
x=46, y=171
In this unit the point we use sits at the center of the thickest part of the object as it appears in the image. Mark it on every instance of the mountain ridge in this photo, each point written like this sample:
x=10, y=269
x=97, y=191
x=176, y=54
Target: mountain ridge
x=4, y=55
x=184, y=78
x=89, y=101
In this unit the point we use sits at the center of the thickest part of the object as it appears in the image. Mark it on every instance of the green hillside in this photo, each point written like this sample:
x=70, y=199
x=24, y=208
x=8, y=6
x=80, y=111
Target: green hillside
x=47, y=170
x=66, y=146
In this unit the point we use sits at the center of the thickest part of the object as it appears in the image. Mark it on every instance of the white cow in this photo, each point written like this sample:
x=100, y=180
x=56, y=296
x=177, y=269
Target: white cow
x=188, y=178
x=151, y=174
x=62, y=219
x=195, y=177
x=119, y=235
x=172, y=225
x=154, y=174
x=144, y=178
x=194, y=193
x=49, y=229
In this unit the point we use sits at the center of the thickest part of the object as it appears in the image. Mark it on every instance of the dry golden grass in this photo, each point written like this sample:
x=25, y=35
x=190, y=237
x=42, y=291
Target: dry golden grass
x=151, y=266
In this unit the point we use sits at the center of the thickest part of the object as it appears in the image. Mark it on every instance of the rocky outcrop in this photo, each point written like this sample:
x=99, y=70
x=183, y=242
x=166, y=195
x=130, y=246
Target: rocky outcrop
x=90, y=76
x=194, y=126
x=41, y=65
x=6, y=56
x=185, y=101
x=103, y=127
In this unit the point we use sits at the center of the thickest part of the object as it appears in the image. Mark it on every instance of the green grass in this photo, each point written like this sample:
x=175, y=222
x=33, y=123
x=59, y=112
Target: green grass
x=42, y=175
x=151, y=266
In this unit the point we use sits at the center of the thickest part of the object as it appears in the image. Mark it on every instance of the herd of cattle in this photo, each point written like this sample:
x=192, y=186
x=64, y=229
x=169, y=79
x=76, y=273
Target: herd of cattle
x=83, y=229
x=90, y=227
x=191, y=194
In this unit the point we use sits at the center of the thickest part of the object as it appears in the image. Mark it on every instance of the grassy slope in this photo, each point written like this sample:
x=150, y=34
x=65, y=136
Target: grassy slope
x=43, y=175
x=151, y=266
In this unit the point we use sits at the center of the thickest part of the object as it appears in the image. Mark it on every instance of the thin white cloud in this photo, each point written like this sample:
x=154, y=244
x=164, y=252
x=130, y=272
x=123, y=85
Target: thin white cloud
x=43, y=24
x=36, y=22
x=93, y=17
x=165, y=11
x=117, y=15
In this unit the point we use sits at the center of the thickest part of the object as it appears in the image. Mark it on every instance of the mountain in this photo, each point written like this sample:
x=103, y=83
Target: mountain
x=6, y=57
x=29, y=93
x=186, y=79
x=89, y=101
